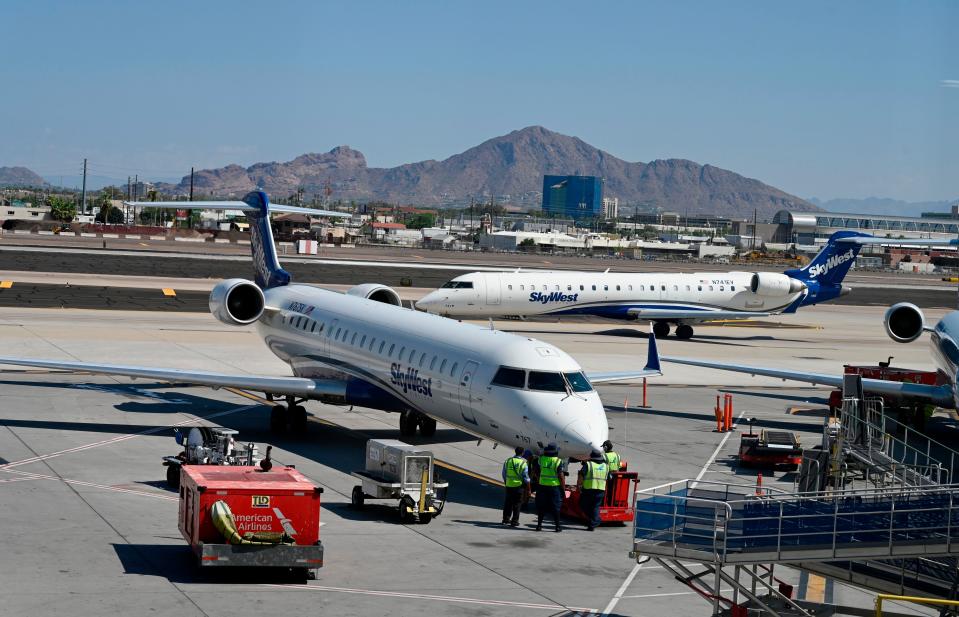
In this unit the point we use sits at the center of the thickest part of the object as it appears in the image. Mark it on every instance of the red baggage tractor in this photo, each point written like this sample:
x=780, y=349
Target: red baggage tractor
x=617, y=506
x=278, y=501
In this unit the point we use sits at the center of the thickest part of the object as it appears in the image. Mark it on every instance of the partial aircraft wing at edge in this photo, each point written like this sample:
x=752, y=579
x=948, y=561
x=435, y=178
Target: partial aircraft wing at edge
x=941, y=395
x=694, y=315
x=294, y=386
x=232, y=205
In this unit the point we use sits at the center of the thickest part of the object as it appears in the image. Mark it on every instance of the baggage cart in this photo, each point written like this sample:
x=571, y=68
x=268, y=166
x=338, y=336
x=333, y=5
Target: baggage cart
x=399, y=471
x=617, y=506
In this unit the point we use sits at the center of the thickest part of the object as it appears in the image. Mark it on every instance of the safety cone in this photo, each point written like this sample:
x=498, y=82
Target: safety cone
x=729, y=412
x=719, y=417
x=759, y=484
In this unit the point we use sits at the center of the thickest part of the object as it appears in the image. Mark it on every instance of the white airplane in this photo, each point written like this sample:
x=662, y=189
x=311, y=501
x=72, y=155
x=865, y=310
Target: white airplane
x=664, y=298
x=363, y=348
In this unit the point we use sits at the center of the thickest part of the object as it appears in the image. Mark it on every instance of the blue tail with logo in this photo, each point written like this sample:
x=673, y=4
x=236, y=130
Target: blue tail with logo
x=265, y=263
x=824, y=274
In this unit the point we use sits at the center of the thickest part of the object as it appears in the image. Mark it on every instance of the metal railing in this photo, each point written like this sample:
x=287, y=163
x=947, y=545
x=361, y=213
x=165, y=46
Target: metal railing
x=725, y=523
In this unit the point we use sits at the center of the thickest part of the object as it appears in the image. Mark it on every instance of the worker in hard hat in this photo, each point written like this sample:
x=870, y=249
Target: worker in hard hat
x=516, y=479
x=549, y=490
x=593, y=477
x=613, y=460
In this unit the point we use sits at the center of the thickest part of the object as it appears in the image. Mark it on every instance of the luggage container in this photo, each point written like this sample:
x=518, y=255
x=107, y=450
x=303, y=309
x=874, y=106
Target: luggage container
x=275, y=517
x=617, y=506
x=397, y=470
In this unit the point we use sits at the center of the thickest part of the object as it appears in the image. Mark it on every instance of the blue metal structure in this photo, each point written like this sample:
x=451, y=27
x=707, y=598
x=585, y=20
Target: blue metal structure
x=577, y=197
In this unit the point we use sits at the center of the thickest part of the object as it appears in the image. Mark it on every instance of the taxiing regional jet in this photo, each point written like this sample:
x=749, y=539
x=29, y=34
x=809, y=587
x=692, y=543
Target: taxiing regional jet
x=665, y=298
x=363, y=348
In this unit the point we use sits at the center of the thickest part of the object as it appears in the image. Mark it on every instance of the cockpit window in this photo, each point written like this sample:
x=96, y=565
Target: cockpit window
x=549, y=382
x=458, y=285
x=578, y=382
x=510, y=377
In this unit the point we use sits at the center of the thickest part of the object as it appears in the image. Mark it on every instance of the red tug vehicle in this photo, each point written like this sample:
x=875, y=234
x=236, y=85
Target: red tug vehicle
x=618, y=501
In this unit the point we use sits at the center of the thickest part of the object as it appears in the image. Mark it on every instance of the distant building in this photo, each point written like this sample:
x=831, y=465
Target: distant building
x=578, y=197
x=610, y=207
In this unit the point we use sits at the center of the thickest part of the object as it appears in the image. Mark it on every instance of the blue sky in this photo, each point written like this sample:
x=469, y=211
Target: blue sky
x=826, y=99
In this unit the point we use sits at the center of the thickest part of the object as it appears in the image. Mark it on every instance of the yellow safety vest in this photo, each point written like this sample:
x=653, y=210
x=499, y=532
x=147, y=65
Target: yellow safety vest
x=612, y=460
x=595, y=477
x=549, y=470
x=515, y=466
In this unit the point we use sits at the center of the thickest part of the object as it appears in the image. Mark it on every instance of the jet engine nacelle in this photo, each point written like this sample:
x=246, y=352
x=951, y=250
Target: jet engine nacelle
x=237, y=302
x=904, y=322
x=773, y=284
x=377, y=292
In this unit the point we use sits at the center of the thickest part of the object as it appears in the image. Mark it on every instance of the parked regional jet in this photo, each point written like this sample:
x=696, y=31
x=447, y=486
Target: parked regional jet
x=664, y=298
x=904, y=323
x=363, y=348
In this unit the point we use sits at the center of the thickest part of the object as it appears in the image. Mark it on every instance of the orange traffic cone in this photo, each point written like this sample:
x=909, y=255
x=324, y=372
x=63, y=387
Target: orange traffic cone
x=719, y=417
x=759, y=484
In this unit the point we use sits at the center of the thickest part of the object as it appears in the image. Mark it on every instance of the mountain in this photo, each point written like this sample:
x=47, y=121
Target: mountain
x=19, y=176
x=883, y=205
x=511, y=168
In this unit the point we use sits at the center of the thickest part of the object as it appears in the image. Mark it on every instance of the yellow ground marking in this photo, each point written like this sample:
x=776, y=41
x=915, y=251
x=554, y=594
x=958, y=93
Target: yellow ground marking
x=816, y=589
x=6, y=284
x=439, y=463
x=168, y=292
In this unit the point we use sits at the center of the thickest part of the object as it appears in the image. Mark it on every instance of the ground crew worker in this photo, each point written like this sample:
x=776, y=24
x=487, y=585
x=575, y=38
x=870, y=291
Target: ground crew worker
x=549, y=496
x=593, y=476
x=613, y=460
x=516, y=479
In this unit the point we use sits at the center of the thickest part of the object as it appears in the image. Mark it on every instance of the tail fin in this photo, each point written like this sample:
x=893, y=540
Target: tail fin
x=830, y=265
x=266, y=266
x=652, y=352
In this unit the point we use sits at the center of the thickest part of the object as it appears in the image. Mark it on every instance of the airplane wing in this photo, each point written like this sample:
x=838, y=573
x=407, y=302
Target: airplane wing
x=293, y=386
x=232, y=205
x=652, y=368
x=940, y=395
x=928, y=242
x=641, y=313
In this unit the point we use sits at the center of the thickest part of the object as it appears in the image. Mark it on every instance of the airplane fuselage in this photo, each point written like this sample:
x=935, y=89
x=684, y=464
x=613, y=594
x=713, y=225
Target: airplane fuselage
x=606, y=294
x=398, y=359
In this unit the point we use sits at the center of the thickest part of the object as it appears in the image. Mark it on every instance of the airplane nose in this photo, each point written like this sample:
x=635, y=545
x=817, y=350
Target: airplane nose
x=580, y=438
x=427, y=302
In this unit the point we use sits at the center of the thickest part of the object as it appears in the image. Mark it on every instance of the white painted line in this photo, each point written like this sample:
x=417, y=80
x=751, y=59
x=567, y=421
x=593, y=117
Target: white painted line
x=662, y=595
x=629, y=579
x=421, y=596
x=113, y=440
x=37, y=476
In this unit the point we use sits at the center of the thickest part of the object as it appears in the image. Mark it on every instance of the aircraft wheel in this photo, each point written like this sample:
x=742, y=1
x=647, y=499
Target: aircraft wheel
x=407, y=424
x=661, y=329
x=684, y=331
x=278, y=419
x=427, y=426
x=298, y=419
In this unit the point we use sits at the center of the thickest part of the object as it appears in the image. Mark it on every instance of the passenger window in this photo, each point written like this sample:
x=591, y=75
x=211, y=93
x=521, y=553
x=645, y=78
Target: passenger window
x=605, y=287
x=313, y=327
x=710, y=288
x=732, y=288
x=392, y=347
x=522, y=287
x=382, y=345
x=433, y=363
x=722, y=288
x=642, y=288
x=372, y=343
x=557, y=287
x=581, y=288
x=687, y=287
x=630, y=287
x=453, y=369
x=399, y=356
x=675, y=287
x=594, y=287
x=422, y=359
x=662, y=288
x=353, y=340
x=699, y=287
x=509, y=287
x=545, y=287
x=510, y=377
x=617, y=288
x=443, y=366
x=412, y=355
x=363, y=341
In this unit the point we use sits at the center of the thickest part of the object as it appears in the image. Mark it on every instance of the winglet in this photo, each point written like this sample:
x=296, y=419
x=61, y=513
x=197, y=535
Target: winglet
x=652, y=353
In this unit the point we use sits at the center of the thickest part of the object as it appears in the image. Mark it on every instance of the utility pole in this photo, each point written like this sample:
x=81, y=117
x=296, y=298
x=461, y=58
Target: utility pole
x=83, y=198
x=755, y=211
x=191, y=184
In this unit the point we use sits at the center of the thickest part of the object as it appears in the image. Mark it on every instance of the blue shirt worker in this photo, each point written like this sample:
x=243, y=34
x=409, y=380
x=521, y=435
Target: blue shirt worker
x=516, y=479
x=549, y=489
x=593, y=476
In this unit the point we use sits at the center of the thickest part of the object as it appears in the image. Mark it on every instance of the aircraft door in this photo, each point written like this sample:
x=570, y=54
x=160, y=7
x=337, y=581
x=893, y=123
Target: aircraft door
x=492, y=289
x=465, y=392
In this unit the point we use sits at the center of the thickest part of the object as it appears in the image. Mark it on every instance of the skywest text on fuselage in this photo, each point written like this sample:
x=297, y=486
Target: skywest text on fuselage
x=555, y=296
x=410, y=380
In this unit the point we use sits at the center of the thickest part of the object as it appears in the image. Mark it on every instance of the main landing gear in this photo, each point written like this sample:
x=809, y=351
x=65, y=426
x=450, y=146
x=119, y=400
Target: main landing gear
x=292, y=415
x=683, y=331
x=411, y=420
